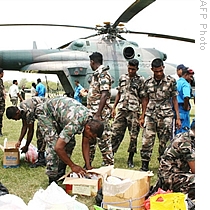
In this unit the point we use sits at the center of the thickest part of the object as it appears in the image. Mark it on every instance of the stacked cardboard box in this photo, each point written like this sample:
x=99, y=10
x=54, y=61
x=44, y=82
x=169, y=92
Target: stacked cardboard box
x=86, y=185
x=11, y=157
x=129, y=193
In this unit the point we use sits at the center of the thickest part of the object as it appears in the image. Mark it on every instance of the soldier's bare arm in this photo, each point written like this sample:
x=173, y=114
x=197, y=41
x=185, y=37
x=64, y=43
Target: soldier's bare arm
x=104, y=97
x=117, y=98
x=176, y=108
x=30, y=128
x=145, y=101
x=86, y=152
x=192, y=166
x=22, y=133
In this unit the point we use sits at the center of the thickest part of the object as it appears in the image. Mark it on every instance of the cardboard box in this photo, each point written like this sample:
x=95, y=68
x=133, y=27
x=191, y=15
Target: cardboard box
x=129, y=193
x=84, y=186
x=11, y=157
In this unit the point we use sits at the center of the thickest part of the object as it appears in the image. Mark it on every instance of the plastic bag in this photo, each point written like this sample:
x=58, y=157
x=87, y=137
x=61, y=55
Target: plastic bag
x=31, y=155
x=159, y=191
x=169, y=201
x=12, y=202
x=54, y=197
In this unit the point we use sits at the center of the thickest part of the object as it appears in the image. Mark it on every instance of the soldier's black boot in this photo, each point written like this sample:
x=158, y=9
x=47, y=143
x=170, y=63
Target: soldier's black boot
x=53, y=179
x=130, y=160
x=61, y=169
x=145, y=166
x=41, y=161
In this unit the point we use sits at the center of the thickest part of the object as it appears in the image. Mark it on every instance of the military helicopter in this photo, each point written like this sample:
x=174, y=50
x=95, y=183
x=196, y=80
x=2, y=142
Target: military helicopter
x=71, y=60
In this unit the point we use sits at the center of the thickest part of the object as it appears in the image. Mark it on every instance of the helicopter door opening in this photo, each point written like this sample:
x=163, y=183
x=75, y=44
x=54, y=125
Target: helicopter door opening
x=128, y=52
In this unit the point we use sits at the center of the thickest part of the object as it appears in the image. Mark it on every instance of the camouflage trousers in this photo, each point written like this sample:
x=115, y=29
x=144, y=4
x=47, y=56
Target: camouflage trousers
x=104, y=144
x=41, y=144
x=2, y=109
x=163, y=128
x=51, y=134
x=180, y=182
x=123, y=120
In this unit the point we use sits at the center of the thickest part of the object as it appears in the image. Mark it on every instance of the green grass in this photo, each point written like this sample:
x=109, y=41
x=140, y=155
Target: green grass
x=24, y=181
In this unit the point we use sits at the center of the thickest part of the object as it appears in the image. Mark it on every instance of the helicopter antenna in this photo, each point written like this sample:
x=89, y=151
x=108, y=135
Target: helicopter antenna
x=34, y=45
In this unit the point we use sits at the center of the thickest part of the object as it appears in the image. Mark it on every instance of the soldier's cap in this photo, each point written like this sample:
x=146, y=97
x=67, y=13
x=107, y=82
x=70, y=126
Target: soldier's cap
x=181, y=66
x=188, y=71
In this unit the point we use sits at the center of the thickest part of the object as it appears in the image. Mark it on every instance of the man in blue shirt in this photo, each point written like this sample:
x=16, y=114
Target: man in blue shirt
x=77, y=90
x=183, y=98
x=40, y=89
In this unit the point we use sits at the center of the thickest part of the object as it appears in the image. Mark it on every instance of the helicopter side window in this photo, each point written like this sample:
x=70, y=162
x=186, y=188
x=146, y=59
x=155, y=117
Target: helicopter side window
x=128, y=52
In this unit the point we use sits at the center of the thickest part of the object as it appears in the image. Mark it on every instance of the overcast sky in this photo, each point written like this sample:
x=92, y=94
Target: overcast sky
x=174, y=17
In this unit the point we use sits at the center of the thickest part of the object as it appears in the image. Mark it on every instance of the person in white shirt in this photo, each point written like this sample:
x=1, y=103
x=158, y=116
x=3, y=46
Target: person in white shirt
x=33, y=89
x=14, y=93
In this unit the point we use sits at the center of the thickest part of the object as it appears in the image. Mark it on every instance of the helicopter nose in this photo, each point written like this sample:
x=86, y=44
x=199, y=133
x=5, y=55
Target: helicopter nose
x=164, y=56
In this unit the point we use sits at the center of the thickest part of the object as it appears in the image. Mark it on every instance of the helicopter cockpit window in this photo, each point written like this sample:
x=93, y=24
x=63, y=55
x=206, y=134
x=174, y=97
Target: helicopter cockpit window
x=77, y=71
x=164, y=56
x=128, y=52
x=87, y=43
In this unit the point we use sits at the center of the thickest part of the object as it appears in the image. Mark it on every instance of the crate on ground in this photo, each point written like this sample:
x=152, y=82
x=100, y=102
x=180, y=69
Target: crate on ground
x=88, y=185
x=11, y=156
x=125, y=189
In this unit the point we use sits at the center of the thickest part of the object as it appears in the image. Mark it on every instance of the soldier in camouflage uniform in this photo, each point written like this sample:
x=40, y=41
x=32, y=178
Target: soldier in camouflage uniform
x=177, y=165
x=2, y=100
x=98, y=101
x=26, y=112
x=160, y=92
x=128, y=100
x=59, y=120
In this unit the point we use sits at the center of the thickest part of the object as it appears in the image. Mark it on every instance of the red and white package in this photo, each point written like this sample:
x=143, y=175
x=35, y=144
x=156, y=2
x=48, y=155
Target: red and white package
x=31, y=155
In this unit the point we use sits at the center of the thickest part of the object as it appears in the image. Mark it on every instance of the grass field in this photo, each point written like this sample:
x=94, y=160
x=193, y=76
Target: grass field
x=25, y=181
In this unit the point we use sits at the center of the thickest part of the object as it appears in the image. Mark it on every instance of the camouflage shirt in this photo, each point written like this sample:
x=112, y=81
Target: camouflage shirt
x=101, y=80
x=160, y=95
x=28, y=108
x=130, y=92
x=177, y=155
x=68, y=114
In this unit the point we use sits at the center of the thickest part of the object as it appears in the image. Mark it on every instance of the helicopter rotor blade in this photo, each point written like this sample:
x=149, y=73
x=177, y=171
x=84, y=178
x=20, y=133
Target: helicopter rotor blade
x=90, y=36
x=132, y=10
x=65, y=45
x=163, y=36
x=58, y=25
x=120, y=37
